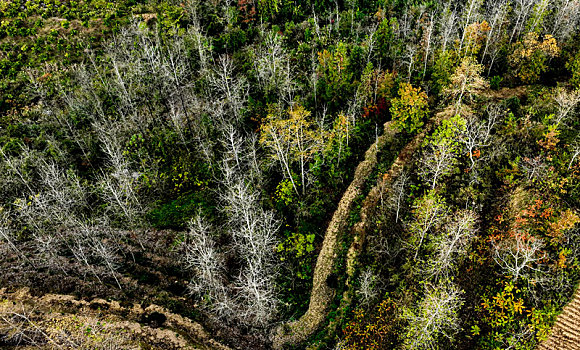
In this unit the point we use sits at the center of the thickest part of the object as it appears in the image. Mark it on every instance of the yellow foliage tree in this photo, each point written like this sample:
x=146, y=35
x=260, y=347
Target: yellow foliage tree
x=475, y=37
x=466, y=82
x=410, y=108
x=292, y=140
x=528, y=60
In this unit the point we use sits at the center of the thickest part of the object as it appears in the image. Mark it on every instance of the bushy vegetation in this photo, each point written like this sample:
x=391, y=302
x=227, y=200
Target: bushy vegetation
x=199, y=150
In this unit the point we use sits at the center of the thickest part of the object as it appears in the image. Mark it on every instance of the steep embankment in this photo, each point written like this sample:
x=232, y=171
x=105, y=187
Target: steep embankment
x=565, y=334
x=322, y=294
x=369, y=208
x=370, y=203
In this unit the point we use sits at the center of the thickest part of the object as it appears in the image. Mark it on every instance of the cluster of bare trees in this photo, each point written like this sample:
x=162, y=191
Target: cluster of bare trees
x=145, y=83
x=439, y=234
x=203, y=257
x=55, y=211
x=248, y=293
x=440, y=237
x=142, y=84
x=447, y=238
x=421, y=34
x=273, y=68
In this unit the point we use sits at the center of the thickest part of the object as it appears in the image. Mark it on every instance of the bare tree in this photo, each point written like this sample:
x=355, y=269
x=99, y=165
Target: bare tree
x=575, y=152
x=232, y=89
x=534, y=168
x=273, y=67
x=7, y=234
x=434, y=317
x=397, y=194
x=522, y=11
x=478, y=134
x=519, y=254
x=438, y=160
x=409, y=57
x=428, y=35
x=249, y=296
x=118, y=188
x=497, y=12
x=429, y=211
x=233, y=145
x=448, y=26
x=367, y=290
x=566, y=102
x=55, y=216
x=254, y=237
x=204, y=259
x=539, y=11
x=565, y=19
x=453, y=243
x=58, y=199
x=470, y=14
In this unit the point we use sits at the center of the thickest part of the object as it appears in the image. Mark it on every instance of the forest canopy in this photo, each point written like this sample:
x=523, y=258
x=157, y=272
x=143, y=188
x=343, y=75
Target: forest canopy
x=288, y=174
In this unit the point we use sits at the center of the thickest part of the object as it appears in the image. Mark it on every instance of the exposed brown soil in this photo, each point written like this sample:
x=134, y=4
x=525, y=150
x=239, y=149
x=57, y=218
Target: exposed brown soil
x=150, y=276
x=62, y=321
x=506, y=92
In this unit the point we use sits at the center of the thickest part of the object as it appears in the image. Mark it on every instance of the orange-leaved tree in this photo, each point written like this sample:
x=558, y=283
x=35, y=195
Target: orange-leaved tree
x=373, y=331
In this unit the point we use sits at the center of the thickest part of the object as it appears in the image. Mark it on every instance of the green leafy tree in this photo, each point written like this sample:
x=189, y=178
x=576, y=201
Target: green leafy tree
x=385, y=34
x=336, y=81
x=268, y=8
x=442, y=70
x=410, y=108
x=441, y=150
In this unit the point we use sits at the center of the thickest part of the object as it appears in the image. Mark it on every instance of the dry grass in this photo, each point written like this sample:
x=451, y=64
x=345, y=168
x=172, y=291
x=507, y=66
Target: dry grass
x=565, y=334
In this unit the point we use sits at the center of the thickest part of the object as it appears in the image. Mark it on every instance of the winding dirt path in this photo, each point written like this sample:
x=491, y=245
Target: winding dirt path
x=371, y=202
x=321, y=296
x=367, y=213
